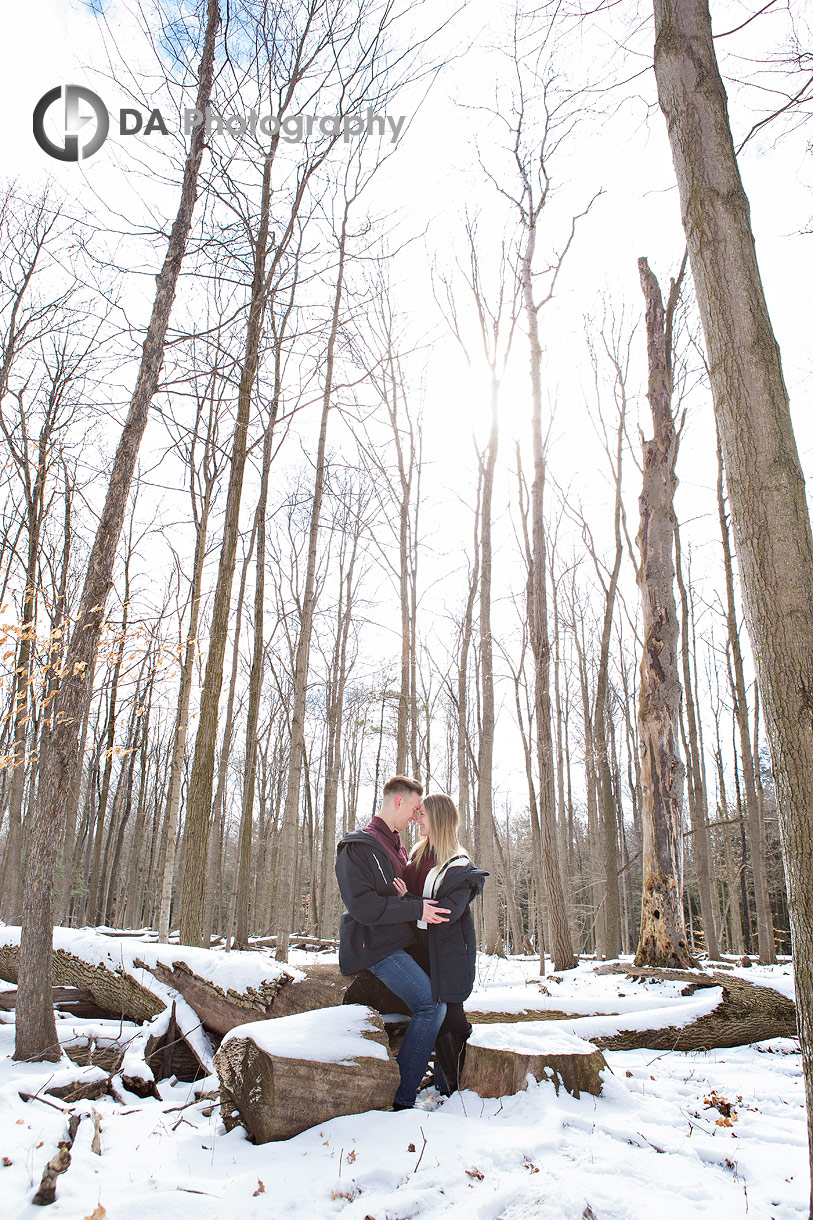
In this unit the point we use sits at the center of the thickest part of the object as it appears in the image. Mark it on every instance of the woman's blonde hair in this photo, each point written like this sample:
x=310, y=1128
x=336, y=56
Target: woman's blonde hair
x=443, y=819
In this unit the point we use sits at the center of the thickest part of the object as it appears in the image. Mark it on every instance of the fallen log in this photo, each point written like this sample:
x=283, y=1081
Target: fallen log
x=322, y=987
x=280, y=1077
x=295, y=942
x=218, y=1010
x=499, y=1059
x=745, y=1013
x=81, y=1090
x=116, y=992
x=748, y=1012
x=69, y=999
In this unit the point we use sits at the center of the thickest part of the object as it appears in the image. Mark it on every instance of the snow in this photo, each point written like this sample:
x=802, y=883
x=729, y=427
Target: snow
x=529, y=1038
x=239, y=969
x=654, y=1143
x=328, y=1035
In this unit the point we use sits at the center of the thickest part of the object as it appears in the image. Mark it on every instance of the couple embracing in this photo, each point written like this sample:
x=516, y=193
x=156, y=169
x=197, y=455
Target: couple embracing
x=408, y=922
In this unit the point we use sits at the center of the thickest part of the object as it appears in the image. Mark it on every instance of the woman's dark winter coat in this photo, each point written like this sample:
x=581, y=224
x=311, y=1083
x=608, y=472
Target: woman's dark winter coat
x=449, y=950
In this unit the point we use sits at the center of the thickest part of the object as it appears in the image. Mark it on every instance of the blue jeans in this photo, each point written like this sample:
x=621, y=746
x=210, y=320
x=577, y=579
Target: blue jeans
x=402, y=974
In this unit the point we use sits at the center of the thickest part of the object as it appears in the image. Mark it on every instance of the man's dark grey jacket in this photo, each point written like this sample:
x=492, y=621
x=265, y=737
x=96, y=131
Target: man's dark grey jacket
x=377, y=922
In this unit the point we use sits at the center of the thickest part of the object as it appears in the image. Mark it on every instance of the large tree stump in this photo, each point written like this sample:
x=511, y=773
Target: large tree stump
x=499, y=1059
x=281, y=1076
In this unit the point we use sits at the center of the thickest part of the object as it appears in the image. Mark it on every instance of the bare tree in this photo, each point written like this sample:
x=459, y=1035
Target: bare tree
x=765, y=481
x=36, y=1031
x=662, y=940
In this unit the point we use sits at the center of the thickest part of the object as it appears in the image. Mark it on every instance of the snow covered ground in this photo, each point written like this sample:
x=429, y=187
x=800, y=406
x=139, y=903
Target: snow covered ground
x=674, y=1135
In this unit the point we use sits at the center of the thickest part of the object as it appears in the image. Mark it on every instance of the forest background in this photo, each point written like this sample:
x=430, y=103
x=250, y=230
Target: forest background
x=380, y=578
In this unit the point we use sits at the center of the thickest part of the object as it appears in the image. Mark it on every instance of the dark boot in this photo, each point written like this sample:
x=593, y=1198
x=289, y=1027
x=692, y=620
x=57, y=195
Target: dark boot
x=450, y=1055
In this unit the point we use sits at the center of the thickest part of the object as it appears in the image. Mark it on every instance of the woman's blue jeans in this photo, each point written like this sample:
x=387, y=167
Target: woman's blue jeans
x=402, y=974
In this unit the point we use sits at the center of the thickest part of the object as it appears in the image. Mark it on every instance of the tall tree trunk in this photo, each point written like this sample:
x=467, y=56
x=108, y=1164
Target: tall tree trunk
x=243, y=883
x=485, y=756
x=698, y=811
x=12, y=870
x=335, y=719
x=213, y=905
x=756, y=828
x=766, y=484
x=36, y=1029
x=606, y=799
x=561, y=946
x=199, y=811
x=598, y=935
x=96, y=880
x=663, y=935
x=173, y=805
x=290, y=821
x=466, y=628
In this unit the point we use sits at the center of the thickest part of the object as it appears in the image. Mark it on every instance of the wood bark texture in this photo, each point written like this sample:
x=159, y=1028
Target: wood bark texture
x=662, y=940
x=36, y=1031
x=498, y=1073
x=276, y=1097
x=765, y=480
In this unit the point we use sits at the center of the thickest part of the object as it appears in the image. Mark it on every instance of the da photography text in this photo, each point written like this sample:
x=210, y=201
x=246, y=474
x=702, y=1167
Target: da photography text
x=78, y=123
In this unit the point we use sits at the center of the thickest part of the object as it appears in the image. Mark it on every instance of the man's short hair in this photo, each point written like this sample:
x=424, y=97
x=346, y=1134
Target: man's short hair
x=402, y=785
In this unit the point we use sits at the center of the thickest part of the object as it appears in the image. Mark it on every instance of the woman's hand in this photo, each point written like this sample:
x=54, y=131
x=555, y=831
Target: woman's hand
x=400, y=887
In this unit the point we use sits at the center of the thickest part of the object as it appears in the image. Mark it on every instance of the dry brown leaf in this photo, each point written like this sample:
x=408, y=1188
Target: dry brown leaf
x=98, y=1213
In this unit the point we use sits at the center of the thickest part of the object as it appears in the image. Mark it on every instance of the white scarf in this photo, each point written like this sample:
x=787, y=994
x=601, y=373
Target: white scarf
x=433, y=878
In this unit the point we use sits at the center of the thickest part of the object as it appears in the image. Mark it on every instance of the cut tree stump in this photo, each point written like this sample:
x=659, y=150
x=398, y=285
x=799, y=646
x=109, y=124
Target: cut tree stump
x=282, y=1076
x=499, y=1059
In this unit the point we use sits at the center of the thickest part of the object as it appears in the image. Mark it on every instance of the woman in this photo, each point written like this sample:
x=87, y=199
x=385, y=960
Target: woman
x=440, y=868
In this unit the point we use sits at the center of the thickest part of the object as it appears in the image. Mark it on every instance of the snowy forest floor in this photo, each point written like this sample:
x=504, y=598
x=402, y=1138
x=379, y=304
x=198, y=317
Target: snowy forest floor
x=720, y=1133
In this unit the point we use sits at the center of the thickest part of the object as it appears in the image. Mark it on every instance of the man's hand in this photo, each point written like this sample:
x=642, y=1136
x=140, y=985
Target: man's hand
x=400, y=887
x=432, y=913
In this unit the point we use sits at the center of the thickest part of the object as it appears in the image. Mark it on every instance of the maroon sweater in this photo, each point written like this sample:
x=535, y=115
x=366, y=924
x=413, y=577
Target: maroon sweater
x=415, y=875
x=390, y=840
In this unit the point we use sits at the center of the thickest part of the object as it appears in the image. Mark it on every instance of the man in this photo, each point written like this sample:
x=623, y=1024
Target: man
x=376, y=928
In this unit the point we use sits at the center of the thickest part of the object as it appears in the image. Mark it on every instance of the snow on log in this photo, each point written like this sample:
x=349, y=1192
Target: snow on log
x=281, y=1076
x=320, y=986
x=113, y=989
x=743, y=1014
x=499, y=1059
x=711, y=1009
